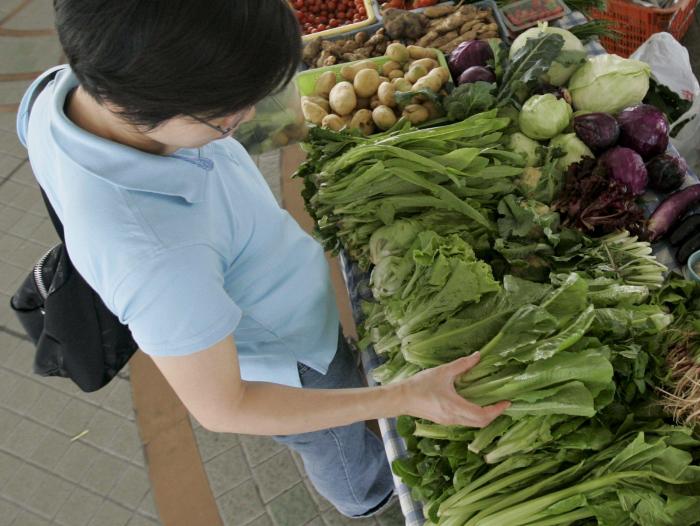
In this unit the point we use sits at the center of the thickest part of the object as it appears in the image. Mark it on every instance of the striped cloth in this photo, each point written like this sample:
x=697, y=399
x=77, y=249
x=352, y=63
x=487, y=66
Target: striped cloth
x=358, y=288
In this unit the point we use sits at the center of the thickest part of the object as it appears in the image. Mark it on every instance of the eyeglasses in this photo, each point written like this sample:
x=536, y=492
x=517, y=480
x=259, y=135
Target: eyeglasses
x=222, y=131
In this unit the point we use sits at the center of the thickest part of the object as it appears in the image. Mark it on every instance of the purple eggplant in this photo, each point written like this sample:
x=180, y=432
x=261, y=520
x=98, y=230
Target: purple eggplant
x=476, y=74
x=666, y=172
x=645, y=129
x=468, y=54
x=626, y=167
x=598, y=131
x=671, y=210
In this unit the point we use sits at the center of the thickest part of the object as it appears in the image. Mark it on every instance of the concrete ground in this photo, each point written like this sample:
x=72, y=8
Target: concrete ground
x=51, y=472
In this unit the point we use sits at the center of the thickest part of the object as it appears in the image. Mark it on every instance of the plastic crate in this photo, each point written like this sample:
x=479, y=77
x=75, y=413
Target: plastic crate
x=636, y=23
x=341, y=30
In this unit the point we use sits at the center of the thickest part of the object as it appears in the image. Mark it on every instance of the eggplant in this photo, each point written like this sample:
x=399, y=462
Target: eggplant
x=689, y=226
x=666, y=172
x=687, y=249
x=670, y=210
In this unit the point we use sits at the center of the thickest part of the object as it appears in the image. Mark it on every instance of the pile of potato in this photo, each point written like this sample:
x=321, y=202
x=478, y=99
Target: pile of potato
x=365, y=100
x=320, y=52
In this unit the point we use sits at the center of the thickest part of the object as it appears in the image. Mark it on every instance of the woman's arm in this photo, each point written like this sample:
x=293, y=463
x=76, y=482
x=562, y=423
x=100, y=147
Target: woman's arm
x=209, y=384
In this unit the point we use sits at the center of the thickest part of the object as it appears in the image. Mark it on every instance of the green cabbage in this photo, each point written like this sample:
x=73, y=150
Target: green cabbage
x=544, y=116
x=573, y=147
x=608, y=83
x=526, y=147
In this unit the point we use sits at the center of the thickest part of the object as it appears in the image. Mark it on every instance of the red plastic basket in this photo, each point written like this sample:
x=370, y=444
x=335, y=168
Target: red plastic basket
x=636, y=23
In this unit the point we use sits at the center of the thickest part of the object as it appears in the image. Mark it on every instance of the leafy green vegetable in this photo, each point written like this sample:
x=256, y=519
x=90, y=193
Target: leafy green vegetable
x=469, y=99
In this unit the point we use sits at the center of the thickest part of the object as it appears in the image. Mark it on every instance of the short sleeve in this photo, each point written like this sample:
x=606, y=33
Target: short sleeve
x=175, y=303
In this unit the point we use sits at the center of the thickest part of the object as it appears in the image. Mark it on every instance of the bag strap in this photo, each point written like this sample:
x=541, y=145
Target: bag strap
x=38, y=89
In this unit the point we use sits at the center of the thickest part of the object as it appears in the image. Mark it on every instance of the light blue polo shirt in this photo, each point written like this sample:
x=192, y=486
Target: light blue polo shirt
x=187, y=248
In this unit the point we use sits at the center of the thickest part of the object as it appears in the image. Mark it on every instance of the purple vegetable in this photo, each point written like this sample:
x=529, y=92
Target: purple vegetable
x=644, y=128
x=670, y=210
x=475, y=74
x=626, y=167
x=468, y=54
x=598, y=131
x=666, y=172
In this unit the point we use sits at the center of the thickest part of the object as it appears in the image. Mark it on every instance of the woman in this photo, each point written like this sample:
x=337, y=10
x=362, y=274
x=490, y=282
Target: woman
x=169, y=220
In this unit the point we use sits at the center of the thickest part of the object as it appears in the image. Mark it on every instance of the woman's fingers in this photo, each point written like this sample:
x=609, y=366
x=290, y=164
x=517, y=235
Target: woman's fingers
x=462, y=365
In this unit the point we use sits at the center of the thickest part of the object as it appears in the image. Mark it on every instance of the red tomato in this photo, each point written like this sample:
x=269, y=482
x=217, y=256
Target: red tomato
x=332, y=5
x=321, y=27
x=333, y=22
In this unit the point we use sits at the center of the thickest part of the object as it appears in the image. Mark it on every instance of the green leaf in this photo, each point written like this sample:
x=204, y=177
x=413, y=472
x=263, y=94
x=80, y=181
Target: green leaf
x=469, y=99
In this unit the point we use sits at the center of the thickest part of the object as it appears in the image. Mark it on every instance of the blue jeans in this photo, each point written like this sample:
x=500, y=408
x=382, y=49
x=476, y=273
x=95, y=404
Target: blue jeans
x=347, y=465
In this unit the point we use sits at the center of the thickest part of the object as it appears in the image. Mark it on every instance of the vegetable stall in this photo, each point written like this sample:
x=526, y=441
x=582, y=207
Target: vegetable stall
x=522, y=201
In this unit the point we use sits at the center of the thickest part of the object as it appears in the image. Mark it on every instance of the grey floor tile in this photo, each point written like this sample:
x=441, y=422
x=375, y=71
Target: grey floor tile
x=320, y=501
x=9, y=144
x=8, y=165
x=104, y=473
x=77, y=460
x=21, y=360
x=26, y=255
x=227, y=470
x=75, y=417
x=8, y=512
x=46, y=234
x=28, y=54
x=11, y=277
x=212, y=444
x=148, y=506
x=140, y=520
x=131, y=488
x=51, y=449
x=263, y=520
x=392, y=516
x=316, y=521
x=8, y=423
x=25, y=438
x=9, y=215
x=8, y=121
x=240, y=505
x=48, y=408
x=26, y=391
x=276, y=475
x=51, y=494
x=9, y=465
x=24, y=174
x=259, y=449
x=102, y=428
x=120, y=400
x=37, y=15
x=26, y=518
x=26, y=225
x=126, y=442
x=293, y=508
x=333, y=518
x=79, y=508
x=111, y=514
x=22, y=484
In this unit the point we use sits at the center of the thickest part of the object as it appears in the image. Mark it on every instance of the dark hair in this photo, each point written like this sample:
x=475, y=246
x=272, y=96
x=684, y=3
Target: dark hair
x=157, y=59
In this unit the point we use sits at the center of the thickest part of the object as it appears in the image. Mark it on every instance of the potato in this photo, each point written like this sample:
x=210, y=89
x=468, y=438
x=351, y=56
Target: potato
x=362, y=103
x=366, y=82
x=416, y=113
x=384, y=117
x=348, y=72
x=397, y=52
x=427, y=63
x=374, y=102
x=390, y=66
x=430, y=82
x=442, y=72
x=324, y=84
x=396, y=74
x=401, y=85
x=415, y=73
x=333, y=122
x=362, y=120
x=385, y=93
x=416, y=52
x=320, y=101
x=383, y=79
x=342, y=98
x=313, y=112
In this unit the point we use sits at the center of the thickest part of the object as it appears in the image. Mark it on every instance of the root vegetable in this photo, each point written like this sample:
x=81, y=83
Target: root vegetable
x=324, y=84
x=442, y=73
x=427, y=63
x=416, y=113
x=415, y=73
x=350, y=71
x=401, y=85
x=390, y=66
x=362, y=120
x=361, y=37
x=433, y=111
x=431, y=82
x=397, y=52
x=374, y=102
x=438, y=11
x=427, y=39
x=342, y=98
x=383, y=117
x=416, y=52
x=320, y=101
x=452, y=22
x=396, y=74
x=366, y=82
x=386, y=94
x=444, y=39
x=333, y=122
x=670, y=210
x=383, y=79
x=313, y=112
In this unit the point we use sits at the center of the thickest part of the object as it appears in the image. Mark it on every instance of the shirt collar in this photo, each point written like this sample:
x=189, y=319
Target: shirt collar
x=183, y=174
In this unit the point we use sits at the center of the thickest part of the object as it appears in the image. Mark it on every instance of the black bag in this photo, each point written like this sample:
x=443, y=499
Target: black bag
x=75, y=334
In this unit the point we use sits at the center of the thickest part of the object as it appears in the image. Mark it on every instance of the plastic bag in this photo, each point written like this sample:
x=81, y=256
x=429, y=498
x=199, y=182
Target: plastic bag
x=670, y=65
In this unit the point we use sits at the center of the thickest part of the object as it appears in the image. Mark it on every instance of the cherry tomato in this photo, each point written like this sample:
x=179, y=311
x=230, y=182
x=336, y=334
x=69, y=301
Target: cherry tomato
x=333, y=22
x=321, y=27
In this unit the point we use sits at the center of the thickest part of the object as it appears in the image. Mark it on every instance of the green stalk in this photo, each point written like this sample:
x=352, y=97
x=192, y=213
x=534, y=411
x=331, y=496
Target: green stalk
x=484, y=437
x=566, y=518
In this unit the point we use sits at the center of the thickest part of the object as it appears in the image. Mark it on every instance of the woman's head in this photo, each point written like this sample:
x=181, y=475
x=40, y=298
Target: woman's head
x=155, y=60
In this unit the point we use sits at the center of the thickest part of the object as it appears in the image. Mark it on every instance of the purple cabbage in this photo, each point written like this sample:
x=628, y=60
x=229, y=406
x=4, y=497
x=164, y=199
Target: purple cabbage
x=644, y=128
x=476, y=74
x=626, y=166
x=666, y=172
x=468, y=54
x=598, y=131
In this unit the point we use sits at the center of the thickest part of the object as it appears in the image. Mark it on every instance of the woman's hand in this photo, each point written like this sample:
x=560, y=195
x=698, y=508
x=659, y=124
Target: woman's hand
x=431, y=394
